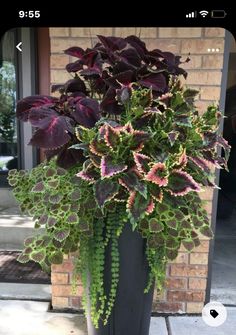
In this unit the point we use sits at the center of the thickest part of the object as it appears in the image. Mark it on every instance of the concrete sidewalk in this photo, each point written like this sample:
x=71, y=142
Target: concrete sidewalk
x=33, y=318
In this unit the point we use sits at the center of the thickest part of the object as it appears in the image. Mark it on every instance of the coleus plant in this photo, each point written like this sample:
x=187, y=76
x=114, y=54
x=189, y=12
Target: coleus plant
x=124, y=144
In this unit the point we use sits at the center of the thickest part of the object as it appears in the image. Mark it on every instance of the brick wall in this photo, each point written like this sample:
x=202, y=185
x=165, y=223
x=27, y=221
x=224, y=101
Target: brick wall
x=187, y=275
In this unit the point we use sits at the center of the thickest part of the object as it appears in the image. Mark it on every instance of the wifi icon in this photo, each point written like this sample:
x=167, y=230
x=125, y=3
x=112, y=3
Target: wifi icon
x=203, y=13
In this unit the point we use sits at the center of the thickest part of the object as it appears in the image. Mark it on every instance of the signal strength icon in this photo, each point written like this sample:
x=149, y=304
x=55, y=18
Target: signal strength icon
x=191, y=15
x=203, y=13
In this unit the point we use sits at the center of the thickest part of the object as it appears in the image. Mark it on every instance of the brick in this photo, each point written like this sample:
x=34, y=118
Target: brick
x=202, y=105
x=59, y=32
x=75, y=302
x=198, y=258
x=60, y=302
x=194, y=307
x=210, y=93
x=147, y=32
x=194, y=63
x=182, y=258
x=197, y=283
x=204, y=77
x=180, y=270
x=59, y=61
x=65, y=291
x=174, y=296
x=124, y=31
x=215, y=32
x=168, y=307
x=159, y=295
x=207, y=194
x=59, y=278
x=66, y=266
x=212, y=61
x=203, y=247
x=200, y=46
x=176, y=283
x=59, y=76
x=172, y=45
x=60, y=44
x=180, y=32
x=88, y=32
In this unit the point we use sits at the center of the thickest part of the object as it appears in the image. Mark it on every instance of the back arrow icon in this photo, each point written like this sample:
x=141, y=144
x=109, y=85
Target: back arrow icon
x=19, y=46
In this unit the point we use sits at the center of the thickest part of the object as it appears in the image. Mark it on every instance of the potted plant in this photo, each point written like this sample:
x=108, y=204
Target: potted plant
x=127, y=154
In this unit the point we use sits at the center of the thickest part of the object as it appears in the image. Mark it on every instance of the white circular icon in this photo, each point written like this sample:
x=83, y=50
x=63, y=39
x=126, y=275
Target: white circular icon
x=214, y=314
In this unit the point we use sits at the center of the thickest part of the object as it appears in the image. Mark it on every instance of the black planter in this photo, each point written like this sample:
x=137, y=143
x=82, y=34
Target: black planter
x=132, y=310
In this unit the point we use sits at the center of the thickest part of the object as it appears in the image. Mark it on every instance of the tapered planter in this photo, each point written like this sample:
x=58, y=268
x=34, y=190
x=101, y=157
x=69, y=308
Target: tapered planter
x=132, y=310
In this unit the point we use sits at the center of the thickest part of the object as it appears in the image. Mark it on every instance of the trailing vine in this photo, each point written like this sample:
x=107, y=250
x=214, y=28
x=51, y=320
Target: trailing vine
x=125, y=145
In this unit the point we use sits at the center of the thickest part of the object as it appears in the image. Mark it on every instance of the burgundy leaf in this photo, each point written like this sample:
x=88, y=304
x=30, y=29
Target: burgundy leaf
x=111, y=137
x=112, y=43
x=137, y=206
x=202, y=163
x=75, y=85
x=105, y=190
x=53, y=132
x=157, y=174
x=180, y=183
x=139, y=45
x=67, y=158
x=109, y=168
x=130, y=56
x=141, y=162
x=109, y=103
x=61, y=234
x=75, y=52
x=24, y=106
x=86, y=112
x=133, y=183
x=156, y=81
x=75, y=66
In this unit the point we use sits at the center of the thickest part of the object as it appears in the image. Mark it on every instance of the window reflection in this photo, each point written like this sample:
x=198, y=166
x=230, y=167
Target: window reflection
x=8, y=126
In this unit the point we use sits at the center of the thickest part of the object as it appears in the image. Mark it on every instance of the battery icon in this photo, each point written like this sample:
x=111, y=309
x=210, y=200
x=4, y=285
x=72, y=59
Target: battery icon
x=218, y=14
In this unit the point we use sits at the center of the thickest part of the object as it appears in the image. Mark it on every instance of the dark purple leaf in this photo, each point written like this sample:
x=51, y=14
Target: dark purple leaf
x=181, y=183
x=110, y=168
x=53, y=132
x=124, y=94
x=69, y=157
x=109, y=103
x=24, y=106
x=112, y=43
x=105, y=190
x=139, y=45
x=75, y=85
x=130, y=56
x=188, y=244
x=155, y=81
x=75, y=66
x=75, y=52
x=86, y=112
